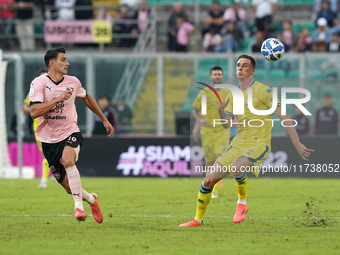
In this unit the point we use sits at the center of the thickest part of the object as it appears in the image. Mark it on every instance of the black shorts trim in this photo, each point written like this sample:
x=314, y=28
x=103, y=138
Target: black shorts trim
x=53, y=152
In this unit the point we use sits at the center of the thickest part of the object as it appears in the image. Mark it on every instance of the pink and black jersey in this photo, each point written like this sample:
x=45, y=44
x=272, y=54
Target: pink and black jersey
x=61, y=121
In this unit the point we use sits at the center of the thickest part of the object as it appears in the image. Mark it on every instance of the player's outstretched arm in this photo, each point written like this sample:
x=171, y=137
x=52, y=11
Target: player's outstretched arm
x=40, y=109
x=223, y=115
x=302, y=150
x=91, y=103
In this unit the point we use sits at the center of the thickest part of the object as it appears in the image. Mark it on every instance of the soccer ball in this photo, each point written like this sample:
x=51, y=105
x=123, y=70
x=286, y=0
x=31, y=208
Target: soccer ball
x=272, y=49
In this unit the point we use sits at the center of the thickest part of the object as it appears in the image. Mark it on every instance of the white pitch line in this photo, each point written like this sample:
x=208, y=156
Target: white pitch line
x=173, y=216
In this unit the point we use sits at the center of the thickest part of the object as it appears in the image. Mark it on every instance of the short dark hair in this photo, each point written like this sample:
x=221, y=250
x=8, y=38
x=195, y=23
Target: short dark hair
x=252, y=60
x=327, y=95
x=214, y=68
x=104, y=97
x=216, y=2
x=41, y=70
x=53, y=54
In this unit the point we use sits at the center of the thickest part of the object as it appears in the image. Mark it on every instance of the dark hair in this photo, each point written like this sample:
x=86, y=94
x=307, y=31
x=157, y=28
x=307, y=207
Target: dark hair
x=214, y=68
x=327, y=95
x=179, y=16
x=41, y=70
x=53, y=54
x=216, y=2
x=252, y=60
x=104, y=97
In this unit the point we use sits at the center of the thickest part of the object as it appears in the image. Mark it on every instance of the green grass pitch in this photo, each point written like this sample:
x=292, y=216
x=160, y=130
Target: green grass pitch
x=141, y=216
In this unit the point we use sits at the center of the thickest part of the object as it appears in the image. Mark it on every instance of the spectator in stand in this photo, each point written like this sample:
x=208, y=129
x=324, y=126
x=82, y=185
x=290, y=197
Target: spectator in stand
x=280, y=37
x=231, y=40
x=326, y=13
x=256, y=46
x=334, y=29
x=125, y=27
x=124, y=116
x=327, y=118
x=289, y=38
x=211, y=39
x=104, y=14
x=320, y=33
x=303, y=123
x=84, y=14
x=237, y=15
x=45, y=7
x=109, y=113
x=214, y=19
x=333, y=4
x=65, y=10
x=7, y=14
x=184, y=28
x=304, y=42
x=24, y=24
x=142, y=15
x=172, y=24
x=264, y=10
x=334, y=45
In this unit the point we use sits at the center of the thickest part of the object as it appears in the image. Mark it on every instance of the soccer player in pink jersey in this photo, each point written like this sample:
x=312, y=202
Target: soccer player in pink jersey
x=52, y=98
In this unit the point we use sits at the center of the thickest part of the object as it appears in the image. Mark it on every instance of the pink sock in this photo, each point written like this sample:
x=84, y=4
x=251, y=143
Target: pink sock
x=75, y=186
x=88, y=197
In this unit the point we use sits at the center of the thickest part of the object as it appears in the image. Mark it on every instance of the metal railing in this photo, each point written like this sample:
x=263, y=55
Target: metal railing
x=136, y=69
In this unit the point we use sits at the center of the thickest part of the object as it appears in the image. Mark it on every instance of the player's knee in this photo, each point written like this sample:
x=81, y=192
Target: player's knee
x=209, y=182
x=67, y=162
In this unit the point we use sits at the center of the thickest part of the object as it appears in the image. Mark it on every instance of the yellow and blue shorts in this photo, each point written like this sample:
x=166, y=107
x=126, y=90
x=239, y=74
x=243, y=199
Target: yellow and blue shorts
x=214, y=144
x=255, y=152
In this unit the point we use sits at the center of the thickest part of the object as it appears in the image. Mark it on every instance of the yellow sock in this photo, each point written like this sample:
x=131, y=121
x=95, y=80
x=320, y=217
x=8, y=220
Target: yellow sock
x=241, y=182
x=204, y=197
x=45, y=169
x=215, y=190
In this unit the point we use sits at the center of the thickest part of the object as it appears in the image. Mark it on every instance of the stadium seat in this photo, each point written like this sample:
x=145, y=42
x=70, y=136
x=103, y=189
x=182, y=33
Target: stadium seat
x=315, y=74
x=204, y=74
x=188, y=2
x=208, y=63
x=226, y=2
x=247, y=42
x=278, y=27
x=277, y=73
x=293, y=2
x=296, y=27
x=250, y=25
x=153, y=2
x=260, y=73
x=310, y=2
x=309, y=24
x=328, y=89
x=39, y=28
x=293, y=74
x=205, y=2
x=313, y=91
x=166, y=2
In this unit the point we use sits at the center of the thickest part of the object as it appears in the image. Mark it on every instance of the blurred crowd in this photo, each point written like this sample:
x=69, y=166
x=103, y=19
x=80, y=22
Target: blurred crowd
x=228, y=30
x=225, y=29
